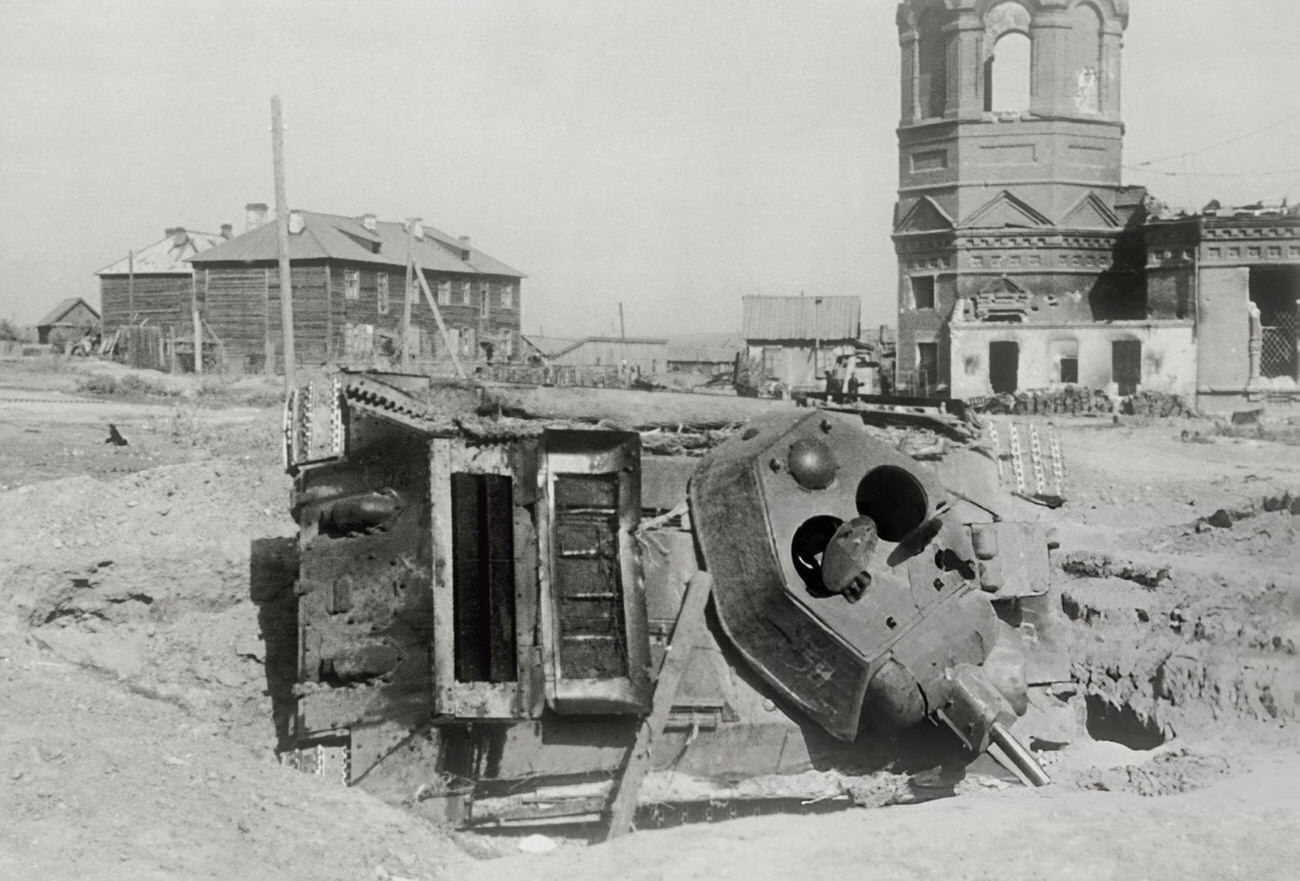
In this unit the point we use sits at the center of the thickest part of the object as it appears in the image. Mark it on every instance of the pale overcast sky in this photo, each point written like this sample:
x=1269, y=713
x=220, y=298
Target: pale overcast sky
x=674, y=155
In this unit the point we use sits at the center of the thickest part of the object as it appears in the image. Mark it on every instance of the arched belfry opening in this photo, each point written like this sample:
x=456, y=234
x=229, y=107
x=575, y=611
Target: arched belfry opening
x=1008, y=59
x=1007, y=75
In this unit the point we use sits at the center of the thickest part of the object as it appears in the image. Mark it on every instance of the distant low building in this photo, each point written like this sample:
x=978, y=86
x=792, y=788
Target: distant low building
x=703, y=353
x=797, y=339
x=72, y=318
x=637, y=354
x=348, y=277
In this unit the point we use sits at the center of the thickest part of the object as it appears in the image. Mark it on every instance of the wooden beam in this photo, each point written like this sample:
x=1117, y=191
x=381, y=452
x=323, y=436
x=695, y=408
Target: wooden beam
x=198, y=326
x=406, y=300
x=442, y=328
x=690, y=620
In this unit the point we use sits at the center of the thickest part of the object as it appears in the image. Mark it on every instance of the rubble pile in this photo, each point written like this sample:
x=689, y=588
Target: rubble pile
x=1149, y=403
x=1068, y=400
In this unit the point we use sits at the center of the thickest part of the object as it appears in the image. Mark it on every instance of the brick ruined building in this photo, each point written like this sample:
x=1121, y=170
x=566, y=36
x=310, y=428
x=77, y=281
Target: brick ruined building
x=1023, y=260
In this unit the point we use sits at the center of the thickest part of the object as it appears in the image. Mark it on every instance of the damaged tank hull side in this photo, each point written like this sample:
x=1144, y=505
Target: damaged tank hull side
x=483, y=606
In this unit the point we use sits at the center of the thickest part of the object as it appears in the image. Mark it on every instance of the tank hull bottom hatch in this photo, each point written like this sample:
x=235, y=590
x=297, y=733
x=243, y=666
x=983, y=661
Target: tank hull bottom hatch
x=482, y=610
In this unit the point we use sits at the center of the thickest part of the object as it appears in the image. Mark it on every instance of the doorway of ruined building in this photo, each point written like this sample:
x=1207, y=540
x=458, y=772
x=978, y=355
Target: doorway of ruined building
x=1274, y=291
x=1126, y=365
x=1004, y=366
x=927, y=368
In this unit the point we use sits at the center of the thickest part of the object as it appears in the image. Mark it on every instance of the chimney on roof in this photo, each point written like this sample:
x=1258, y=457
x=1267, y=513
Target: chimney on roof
x=227, y=231
x=296, y=222
x=368, y=221
x=254, y=215
x=417, y=228
x=179, y=236
x=464, y=247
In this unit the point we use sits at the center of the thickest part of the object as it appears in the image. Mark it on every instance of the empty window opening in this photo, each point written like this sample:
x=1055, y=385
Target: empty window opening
x=352, y=284
x=1070, y=370
x=444, y=293
x=588, y=580
x=1004, y=366
x=1274, y=291
x=483, y=577
x=1126, y=365
x=923, y=292
x=1064, y=356
x=1007, y=75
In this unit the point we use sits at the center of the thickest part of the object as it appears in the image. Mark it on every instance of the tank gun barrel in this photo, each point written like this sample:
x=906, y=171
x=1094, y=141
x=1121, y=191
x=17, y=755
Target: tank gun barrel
x=1018, y=755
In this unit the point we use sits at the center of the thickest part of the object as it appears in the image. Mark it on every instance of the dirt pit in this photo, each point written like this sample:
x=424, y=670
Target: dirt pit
x=139, y=739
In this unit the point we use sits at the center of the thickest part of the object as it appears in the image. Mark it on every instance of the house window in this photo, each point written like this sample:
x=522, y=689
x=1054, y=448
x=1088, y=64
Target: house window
x=352, y=284
x=465, y=295
x=508, y=296
x=485, y=292
x=444, y=293
x=381, y=292
x=923, y=292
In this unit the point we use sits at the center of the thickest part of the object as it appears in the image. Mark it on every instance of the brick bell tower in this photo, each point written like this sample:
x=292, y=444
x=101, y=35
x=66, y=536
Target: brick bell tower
x=1010, y=207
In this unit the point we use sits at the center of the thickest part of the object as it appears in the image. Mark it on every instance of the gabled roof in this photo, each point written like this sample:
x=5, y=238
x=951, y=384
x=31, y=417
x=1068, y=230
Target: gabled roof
x=165, y=257
x=335, y=237
x=1006, y=210
x=55, y=315
x=801, y=318
x=926, y=216
x=1090, y=212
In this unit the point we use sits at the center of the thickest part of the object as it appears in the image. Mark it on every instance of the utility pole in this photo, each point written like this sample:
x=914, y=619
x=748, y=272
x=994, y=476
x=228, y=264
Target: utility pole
x=622, y=331
x=282, y=240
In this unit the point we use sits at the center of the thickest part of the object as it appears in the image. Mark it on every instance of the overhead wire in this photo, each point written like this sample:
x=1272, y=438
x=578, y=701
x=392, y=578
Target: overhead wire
x=1250, y=134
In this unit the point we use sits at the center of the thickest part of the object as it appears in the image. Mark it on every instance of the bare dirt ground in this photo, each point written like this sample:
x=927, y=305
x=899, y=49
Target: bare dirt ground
x=137, y=739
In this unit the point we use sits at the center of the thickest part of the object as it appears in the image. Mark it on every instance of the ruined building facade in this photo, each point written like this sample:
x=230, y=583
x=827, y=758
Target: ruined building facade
x=1023, y=260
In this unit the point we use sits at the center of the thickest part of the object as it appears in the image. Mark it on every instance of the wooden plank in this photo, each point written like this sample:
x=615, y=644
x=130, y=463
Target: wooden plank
x=444, y=608
x=446, y=337
x=677, y=655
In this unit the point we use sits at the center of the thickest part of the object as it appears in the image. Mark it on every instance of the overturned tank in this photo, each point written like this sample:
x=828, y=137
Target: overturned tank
x=512, y=621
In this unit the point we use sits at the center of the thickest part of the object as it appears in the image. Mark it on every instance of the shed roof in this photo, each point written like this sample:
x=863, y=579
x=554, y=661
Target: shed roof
x=550, y=346
x=165, y=257
x=66, y=305
x=801, y=318
x=333, y=236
